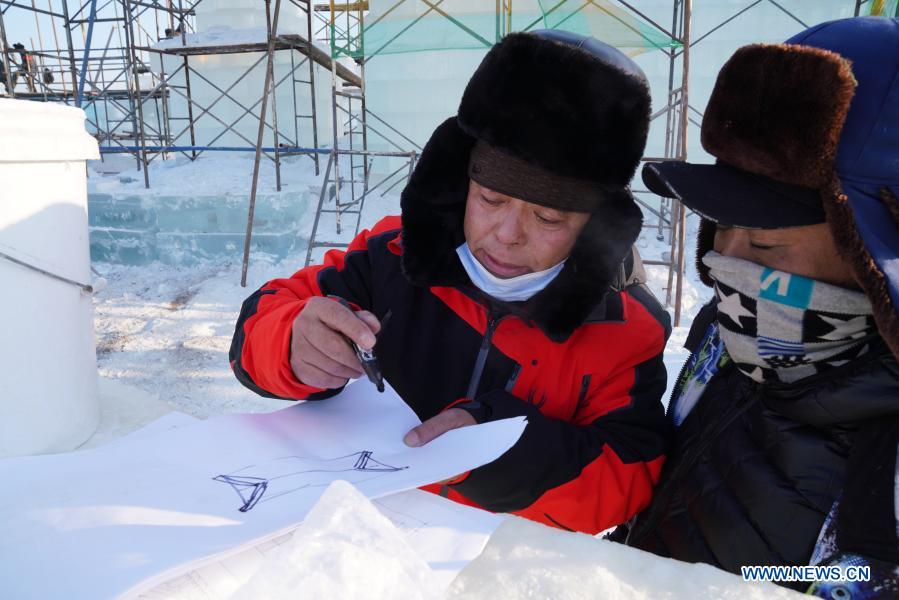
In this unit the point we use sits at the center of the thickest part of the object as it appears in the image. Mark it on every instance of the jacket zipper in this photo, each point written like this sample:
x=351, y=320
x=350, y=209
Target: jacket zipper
x=675, y=391
x=585, y=387
x=516, y=371
x=475, y=380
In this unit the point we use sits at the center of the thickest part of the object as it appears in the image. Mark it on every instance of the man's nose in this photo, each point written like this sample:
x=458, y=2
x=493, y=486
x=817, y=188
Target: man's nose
x=510, y=230
x=732, y=241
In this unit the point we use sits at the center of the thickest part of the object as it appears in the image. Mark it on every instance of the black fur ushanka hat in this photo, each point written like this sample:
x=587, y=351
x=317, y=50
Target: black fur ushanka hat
x=570, y=107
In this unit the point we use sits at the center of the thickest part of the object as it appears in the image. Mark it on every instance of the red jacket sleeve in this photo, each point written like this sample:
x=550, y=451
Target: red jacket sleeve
x=260, y=348
x=596, y=470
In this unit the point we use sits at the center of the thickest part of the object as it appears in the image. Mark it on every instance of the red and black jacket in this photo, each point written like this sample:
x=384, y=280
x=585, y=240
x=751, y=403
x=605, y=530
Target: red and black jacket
x=582, y=360
x=593, y=447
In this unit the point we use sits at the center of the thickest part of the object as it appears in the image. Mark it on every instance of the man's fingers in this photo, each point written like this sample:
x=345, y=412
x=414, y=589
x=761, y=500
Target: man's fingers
x=312, y=375
x=370, y=319
x=438, y=425
x=316, y=357
x=321, y=354
x=341, y=319
x=331, y=344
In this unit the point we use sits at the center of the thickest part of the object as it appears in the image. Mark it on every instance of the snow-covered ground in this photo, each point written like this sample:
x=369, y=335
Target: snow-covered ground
x=166, y=329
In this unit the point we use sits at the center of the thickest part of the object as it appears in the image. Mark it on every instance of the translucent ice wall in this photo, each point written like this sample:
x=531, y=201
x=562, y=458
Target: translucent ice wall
x=416, y=80
x=241, y=76
x=245, y=14
x=412, y=88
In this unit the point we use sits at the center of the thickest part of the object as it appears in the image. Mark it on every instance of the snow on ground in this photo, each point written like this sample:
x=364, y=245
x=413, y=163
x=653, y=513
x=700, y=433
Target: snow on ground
x=166, y=329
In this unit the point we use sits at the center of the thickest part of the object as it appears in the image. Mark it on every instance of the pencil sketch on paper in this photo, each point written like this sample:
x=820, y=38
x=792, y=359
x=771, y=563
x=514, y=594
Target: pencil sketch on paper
x=289, y=474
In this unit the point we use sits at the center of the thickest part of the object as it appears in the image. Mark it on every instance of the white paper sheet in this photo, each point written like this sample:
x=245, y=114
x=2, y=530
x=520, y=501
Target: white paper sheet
x=166, y=422
x=446, y=534
x=95, y=523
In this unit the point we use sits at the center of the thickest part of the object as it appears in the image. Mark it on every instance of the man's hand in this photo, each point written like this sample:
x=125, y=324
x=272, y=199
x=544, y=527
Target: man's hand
x=319, y=353
x=438, y=425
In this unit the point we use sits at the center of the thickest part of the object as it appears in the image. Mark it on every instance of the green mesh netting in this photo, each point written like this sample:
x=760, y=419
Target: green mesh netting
x=881, y=8
x=402, y=26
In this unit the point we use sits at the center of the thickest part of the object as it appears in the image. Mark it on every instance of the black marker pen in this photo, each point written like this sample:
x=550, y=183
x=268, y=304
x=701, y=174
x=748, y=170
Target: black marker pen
x=369, y=365
x=367, y=357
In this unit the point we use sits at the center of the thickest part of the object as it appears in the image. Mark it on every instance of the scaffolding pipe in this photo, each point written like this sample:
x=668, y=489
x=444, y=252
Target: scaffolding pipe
x=190, y=109
x=270, y=77
x=334, y=121
x=132, y=66
x=318, y=212
x=87, y=51
x=289, y=150
x=59, y=62
x=685, y=113
x=268, y=80
x=309, y=12
x=4, y=47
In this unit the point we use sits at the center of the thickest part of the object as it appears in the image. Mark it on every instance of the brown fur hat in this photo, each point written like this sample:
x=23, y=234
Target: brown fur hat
x=807, y=132
x=777, y=110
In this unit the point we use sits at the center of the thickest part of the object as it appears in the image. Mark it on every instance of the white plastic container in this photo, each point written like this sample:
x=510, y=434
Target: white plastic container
x=48, y=379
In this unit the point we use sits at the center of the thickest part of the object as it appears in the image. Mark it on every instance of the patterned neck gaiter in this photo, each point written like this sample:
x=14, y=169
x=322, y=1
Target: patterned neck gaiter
x=777, y=326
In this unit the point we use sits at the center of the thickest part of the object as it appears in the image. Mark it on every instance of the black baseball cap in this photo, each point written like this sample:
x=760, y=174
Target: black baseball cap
x=773, y=125
x=730, y=196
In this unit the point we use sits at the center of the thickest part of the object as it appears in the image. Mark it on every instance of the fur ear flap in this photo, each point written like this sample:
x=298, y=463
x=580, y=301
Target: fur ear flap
x=433, y=205
x=852, y=248
x=590, y=269
x=705, y=241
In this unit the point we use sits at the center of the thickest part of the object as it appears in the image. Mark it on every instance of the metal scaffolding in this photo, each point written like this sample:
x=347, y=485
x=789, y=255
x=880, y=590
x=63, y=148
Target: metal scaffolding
x=138, y=87
x=113, y=83
x=132, y=101
x=348, y=187
x=347, y=179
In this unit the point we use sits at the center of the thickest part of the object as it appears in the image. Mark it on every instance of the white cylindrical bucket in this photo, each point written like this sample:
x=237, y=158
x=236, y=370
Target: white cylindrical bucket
x=48, y=379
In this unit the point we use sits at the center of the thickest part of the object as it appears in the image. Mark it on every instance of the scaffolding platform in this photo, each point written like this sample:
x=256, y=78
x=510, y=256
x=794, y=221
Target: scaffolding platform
x=282, y=42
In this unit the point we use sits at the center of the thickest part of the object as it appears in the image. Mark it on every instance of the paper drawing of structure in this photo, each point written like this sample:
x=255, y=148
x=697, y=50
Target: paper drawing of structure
x=289, y=474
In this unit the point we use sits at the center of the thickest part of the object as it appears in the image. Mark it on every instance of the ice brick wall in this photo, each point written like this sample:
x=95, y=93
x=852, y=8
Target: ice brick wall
x=129, y=228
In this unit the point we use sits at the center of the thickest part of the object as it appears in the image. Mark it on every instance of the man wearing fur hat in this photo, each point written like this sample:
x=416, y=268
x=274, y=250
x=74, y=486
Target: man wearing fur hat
x=508, y=287
x=787, y=412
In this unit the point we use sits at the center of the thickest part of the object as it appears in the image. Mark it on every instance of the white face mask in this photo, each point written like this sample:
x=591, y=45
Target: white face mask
x=514, y=289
